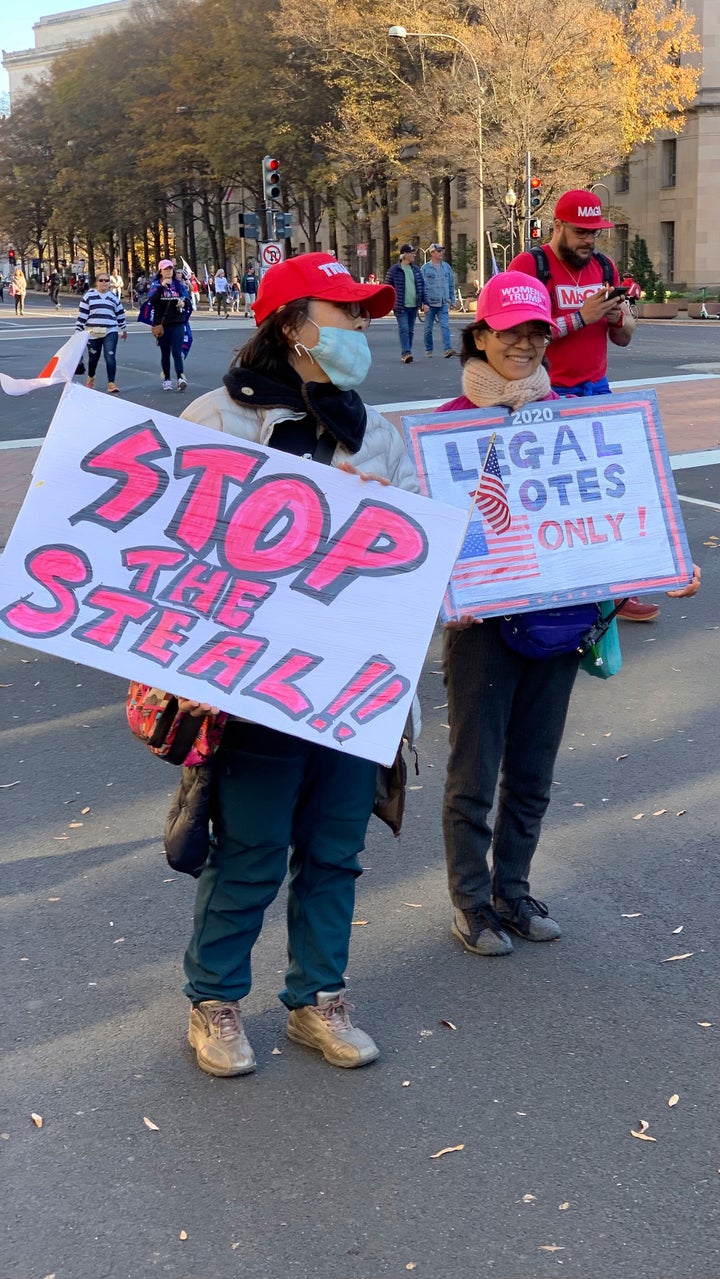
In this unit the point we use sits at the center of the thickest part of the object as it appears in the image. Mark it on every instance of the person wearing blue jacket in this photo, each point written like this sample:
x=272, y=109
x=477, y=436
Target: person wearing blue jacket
x=439, y=293
x=407, y=281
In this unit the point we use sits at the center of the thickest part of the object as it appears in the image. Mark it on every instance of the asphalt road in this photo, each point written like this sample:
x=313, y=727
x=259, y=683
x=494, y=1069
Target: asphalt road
x=552, y=1056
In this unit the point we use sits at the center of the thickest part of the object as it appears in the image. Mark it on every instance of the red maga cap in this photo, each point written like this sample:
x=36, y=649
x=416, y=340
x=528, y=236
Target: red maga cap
x=583, y=209
x=318, y=275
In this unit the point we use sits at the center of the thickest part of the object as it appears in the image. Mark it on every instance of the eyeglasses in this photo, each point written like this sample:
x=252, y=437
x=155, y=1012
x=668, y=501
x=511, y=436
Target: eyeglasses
x=585, y=233
x=102, y=279
x=536, y=336
x=355, y=310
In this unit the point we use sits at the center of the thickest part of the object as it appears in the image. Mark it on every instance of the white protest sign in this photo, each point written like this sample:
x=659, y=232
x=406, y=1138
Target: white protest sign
x=278, y=589
x=594, y=511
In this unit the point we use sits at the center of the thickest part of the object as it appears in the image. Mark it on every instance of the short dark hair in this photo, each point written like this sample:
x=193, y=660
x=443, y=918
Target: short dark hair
x=268, y=349
x=468, y=349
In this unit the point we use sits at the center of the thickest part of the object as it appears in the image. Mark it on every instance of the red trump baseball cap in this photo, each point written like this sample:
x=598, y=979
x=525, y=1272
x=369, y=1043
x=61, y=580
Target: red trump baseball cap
x=583, y=209
x=321, y=276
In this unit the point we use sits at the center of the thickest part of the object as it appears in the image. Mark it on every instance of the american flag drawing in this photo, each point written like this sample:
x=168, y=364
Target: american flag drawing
x=508, y=557
x=491, y=497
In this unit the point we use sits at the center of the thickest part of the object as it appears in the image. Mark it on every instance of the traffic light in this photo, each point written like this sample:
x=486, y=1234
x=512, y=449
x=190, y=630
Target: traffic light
x=535, y=229
x=281, y=226
x=249, y=226
x=11, y=257
x=271, y=180
x=535, y=196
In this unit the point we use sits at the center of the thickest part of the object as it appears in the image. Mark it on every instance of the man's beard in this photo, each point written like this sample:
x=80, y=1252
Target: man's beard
x=573, y=259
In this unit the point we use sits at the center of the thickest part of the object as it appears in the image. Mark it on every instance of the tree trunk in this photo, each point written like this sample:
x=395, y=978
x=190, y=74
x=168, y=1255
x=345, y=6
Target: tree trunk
x=435, y=207
x=332, y=224
x=220, y=229
x=146, y=253
x=157, y=246
x=385, y=226
x=209, y=229
x=91, y=258
x=446, y=236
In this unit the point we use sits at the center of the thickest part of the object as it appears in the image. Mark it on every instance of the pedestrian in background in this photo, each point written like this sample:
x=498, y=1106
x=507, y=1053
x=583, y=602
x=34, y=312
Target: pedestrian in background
x=506, y=710
x=583, y=285
x=235, y=295
x=102, y=315
x=222, y=289
x=407, y=280
x=53, y=288
x=439, y=293
x=117, y=284
x=293, y=386
x=168, y=302
x=249, y=286
x=18, y=289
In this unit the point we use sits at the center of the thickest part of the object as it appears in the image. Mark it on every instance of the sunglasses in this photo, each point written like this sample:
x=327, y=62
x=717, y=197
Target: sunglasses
x=103, y=279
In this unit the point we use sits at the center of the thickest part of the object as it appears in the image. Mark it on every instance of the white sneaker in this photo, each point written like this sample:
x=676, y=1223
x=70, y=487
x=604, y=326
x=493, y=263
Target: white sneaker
x=182, y=383
x=167, y=384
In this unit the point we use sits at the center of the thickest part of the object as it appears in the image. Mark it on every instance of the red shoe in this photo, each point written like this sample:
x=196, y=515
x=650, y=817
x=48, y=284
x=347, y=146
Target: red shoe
x=634, y=610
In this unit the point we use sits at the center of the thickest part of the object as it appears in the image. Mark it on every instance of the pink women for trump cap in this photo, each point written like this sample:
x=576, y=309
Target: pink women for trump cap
x=512, y=298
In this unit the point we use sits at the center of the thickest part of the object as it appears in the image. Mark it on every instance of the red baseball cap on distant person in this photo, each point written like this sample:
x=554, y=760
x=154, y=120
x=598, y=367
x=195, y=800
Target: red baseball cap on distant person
x=512, y=298
x=321, y=276
x=583, y=209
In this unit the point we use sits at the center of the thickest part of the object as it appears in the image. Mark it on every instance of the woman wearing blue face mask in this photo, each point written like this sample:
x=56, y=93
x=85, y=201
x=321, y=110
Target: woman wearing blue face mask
x=291, y=387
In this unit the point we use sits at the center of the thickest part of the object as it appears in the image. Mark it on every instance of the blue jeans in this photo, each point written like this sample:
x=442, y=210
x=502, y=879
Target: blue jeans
x=171, y=343
x=106, y=346
x=274, y=792
x=506, y=714
x=406, y=327
x=441, y=313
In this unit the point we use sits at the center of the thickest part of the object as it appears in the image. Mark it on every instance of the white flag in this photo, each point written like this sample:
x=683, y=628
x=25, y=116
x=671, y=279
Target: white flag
x=61, y=368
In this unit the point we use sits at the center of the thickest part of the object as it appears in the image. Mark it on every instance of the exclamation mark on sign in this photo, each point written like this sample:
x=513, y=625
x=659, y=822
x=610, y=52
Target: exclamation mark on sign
x=380, y=700
x=376, y=668
x=642, y=513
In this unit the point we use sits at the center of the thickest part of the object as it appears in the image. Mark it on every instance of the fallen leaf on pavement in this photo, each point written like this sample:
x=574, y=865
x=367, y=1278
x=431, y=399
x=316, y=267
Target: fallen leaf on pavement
x=411, y=1265
x=619, y=757
x=276, y=1052
x=659, y=812
x=447, y=1150
x=637, y=817
x=704, y=1023
x=528, y=1199
x=673, y=1101
x=37, y=1119
x=406, y=1082
x=414, y=905
x=678, y=930
x=358, y=923
x=149, y=1124
x=681, y=813
x=562, y=1207
x=635, y=915
x=641, y=1131
x=85, y=810
x=450, y=1025
x=550, y=1247
x=183, y=1234
x=8, y=785
x=670, y=958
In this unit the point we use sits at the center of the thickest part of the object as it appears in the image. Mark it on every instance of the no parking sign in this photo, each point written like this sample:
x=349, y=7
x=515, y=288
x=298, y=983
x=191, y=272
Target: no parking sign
x=271, y=252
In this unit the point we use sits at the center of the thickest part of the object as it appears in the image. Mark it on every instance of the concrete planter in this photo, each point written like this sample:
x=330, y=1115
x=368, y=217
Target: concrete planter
x=659, y=310
x=712, y=308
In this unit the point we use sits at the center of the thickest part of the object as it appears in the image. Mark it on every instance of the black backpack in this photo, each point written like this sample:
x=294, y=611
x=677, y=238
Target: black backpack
x=542, y=270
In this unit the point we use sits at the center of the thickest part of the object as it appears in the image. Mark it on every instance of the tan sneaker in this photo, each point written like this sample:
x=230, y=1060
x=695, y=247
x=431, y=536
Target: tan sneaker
x=90, y=383
x=216, y=1033
x=113, y=389
x=326, y=1025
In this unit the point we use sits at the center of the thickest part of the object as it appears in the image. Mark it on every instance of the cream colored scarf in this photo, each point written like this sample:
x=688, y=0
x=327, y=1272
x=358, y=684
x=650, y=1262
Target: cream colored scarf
x=485, y=387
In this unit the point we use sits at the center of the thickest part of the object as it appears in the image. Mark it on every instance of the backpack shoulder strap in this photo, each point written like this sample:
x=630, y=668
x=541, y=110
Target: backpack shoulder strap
x=607, y=268
x=542, y=270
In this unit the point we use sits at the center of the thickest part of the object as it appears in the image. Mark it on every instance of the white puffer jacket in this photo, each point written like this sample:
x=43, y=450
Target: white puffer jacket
x=382, y=451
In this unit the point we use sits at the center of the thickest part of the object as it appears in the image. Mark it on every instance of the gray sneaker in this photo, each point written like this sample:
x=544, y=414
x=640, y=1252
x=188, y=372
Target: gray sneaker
x=480, y=931
x=528, y=918
x=326, y=1025
x=216, y=1033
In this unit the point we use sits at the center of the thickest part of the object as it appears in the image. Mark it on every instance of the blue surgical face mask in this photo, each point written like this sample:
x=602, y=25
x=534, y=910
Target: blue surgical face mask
x=344, y=354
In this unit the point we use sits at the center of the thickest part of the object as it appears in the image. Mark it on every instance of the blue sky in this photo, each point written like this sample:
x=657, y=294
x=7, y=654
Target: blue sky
x=18, y=19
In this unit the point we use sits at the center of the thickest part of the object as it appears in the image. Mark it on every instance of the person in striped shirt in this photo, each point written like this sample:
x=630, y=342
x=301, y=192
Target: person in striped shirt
x=102, y=314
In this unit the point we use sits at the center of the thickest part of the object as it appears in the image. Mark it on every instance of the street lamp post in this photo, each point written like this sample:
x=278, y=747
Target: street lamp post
x=511, y=201
x=399, y=33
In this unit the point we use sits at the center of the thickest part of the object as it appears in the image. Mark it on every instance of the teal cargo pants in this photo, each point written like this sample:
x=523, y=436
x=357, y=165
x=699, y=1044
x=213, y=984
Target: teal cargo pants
x=273, y=793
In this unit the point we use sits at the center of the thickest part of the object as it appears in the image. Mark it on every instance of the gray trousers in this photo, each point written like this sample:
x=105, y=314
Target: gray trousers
x=506, y=714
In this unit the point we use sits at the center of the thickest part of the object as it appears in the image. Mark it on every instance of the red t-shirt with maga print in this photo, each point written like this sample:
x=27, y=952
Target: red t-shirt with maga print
x=582, y=355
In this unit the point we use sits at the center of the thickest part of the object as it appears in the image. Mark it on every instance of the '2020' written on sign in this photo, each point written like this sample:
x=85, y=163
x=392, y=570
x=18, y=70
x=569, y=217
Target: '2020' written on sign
x=282, y=591
x=593, y=509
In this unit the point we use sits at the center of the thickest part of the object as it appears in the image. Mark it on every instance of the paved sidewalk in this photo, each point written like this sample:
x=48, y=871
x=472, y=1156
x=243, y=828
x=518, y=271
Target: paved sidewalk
x=690, y=414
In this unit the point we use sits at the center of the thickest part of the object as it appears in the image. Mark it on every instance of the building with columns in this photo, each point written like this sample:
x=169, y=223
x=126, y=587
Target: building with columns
x=54, y=35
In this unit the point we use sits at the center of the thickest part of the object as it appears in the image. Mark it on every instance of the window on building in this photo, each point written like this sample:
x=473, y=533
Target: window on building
x=414, y=197
x=622, y=177
x=461, y=190
x=622, y=246
x=668, y=161
x=667, y=250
